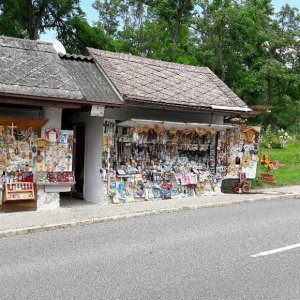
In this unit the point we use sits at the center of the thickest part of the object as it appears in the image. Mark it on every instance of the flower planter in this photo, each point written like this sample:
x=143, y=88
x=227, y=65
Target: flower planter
x=267, y=178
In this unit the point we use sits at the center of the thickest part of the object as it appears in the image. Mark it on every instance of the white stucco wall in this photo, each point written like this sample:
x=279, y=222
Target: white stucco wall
x=45, y=200
x=93, y=186
x=53, y=114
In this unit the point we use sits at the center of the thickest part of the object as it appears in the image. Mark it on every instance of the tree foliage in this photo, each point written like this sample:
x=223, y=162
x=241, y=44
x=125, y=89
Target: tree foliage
x=30, y=18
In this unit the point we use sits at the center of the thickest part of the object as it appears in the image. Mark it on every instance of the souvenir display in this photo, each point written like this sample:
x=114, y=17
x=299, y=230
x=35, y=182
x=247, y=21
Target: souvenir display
x=16, y=163
x=155, y=162
x=108, y=146
x=55, y=177
x=24, y=157
x=150, y=163
x=242, y=145
x=55, y=154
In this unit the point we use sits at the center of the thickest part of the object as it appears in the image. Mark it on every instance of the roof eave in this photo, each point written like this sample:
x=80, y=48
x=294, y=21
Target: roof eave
x=62, y=100
x=238, y=111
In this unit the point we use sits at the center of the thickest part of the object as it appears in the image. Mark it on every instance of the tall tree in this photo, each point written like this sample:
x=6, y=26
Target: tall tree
x=152, y=28
x=30, y=18
x=79, y=34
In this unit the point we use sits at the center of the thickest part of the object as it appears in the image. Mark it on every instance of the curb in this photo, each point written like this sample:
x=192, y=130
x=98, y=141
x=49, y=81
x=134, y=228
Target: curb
x=43, y=228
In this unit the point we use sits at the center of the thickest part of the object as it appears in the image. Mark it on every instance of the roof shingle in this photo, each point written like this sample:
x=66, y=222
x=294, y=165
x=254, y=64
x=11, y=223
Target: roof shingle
x=34, y=68
x=91, y=82
x=144, y=79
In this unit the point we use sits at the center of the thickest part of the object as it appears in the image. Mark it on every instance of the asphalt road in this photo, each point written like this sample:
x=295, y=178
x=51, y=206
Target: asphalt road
x=202, y=254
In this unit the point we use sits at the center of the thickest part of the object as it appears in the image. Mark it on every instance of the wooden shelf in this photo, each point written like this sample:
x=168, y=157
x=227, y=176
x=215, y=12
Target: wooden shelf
x=15, y=194
x=24, y=124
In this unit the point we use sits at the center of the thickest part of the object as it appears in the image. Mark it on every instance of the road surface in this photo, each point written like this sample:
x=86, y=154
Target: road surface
x=247, y=251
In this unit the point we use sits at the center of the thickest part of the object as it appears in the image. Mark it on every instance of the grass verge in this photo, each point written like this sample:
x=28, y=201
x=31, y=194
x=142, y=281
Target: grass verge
x=289, y=169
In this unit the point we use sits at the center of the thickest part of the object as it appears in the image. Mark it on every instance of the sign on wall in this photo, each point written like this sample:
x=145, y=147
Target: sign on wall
x=97, y=111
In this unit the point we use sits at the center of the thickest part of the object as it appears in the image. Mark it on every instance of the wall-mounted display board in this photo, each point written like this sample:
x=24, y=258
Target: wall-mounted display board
x=24, y=153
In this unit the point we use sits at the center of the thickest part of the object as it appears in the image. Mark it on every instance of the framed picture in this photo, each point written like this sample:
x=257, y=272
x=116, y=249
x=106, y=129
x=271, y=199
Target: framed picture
x=52, y=135
x=63, y=137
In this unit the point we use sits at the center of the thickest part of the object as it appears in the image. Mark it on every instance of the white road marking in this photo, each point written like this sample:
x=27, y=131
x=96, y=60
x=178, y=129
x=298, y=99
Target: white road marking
x=276, y=250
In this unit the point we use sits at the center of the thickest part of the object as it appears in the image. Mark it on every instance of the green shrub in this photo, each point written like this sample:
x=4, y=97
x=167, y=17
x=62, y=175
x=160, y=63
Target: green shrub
x=277, y=139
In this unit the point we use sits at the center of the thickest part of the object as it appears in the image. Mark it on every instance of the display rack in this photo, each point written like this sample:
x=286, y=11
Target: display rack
x=19, y=191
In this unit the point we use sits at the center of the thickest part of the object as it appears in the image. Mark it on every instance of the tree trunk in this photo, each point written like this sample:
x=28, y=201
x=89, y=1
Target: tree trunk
x=34, y=18
x=183, y=5
x=221, y=63
x=220, y=50
x=30, y=19
x=270, y=101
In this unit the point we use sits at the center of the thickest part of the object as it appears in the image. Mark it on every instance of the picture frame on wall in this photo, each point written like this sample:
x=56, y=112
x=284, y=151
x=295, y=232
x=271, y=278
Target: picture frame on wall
x=63, y=137
x=52, y=135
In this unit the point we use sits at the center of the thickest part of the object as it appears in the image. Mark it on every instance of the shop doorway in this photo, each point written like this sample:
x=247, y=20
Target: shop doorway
x=78, y=167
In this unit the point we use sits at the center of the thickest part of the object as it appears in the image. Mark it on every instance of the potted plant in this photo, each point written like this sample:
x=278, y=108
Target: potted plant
x=269, y=168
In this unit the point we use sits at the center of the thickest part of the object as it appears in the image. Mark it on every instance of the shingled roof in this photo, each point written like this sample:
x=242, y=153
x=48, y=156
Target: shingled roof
x=91, y=82
x=145, y=80
x=34, y=69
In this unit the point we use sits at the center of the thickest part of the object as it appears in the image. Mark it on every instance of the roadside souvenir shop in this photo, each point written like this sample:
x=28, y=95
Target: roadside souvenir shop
x=35, y=164
x=154, y=160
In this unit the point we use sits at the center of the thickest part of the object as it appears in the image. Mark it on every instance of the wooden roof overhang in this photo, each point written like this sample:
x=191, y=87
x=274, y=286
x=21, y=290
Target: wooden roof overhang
x=24, y=123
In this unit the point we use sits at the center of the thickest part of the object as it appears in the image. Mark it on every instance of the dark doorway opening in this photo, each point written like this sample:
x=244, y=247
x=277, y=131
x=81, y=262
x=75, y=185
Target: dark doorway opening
x=79, y=133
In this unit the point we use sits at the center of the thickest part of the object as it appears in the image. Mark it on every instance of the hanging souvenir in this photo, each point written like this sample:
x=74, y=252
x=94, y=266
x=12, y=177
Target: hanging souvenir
x=172, y=131
x=213, y=131
x=200, y=131
x=39, y=158
x=52, y=135
x=250, y=133
x=63, y=137
x=12, y=128
x=42, y=143
x=158, y=128
x=16, y=151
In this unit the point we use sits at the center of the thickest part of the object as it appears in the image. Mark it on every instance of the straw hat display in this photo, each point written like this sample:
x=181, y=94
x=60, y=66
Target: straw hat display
x=213, y=131
x=186, y=131
x=200, y=131
x=172, y=131
x=158, y=128
x=143, y=129
x=249, y=134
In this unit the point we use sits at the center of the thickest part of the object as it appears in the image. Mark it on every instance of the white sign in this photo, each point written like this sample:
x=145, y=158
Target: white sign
x=97, y=111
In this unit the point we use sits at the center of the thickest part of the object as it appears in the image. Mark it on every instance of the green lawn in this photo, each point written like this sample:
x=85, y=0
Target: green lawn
x=289, y=169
